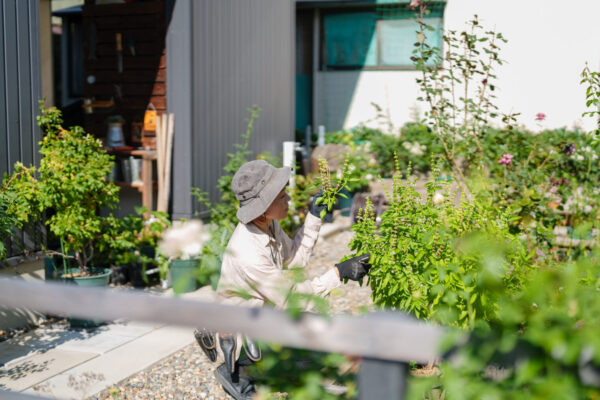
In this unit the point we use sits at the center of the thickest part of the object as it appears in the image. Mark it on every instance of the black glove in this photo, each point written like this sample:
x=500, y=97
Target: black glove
x=354, y=268
x=315, y=209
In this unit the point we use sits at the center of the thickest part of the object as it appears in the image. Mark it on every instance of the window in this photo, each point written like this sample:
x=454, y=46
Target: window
x=375, y=38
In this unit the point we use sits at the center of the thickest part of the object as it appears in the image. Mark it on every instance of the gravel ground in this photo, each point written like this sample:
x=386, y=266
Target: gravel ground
x=188, y=374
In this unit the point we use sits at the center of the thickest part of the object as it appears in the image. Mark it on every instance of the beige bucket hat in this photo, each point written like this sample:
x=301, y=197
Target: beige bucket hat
x=256, y=184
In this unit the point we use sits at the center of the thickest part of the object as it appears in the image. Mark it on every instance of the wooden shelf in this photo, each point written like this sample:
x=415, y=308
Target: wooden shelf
x=138, y=185
x=147, y=185
x=145, y=154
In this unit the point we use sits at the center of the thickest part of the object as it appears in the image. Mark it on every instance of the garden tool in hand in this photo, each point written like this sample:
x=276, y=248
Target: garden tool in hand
x=354, y=268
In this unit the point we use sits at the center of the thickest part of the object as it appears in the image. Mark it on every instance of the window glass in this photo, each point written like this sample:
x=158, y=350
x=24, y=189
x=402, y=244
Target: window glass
x=350, y=40
x=381, y=37
x=397, y=39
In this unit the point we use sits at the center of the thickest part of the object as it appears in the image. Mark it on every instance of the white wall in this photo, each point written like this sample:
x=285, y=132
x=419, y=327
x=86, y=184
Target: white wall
x=549, y=43
x=345, y=97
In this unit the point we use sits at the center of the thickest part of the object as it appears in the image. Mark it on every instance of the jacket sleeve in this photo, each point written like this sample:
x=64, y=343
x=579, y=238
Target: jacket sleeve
x=273, y=286
x=298, y=251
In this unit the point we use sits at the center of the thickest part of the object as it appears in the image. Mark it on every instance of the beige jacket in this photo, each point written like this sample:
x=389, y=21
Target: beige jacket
x=252, y=272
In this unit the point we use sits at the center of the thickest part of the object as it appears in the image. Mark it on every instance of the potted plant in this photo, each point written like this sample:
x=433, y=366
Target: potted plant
x=131, y=244
x=182, y=246
x=71, y=183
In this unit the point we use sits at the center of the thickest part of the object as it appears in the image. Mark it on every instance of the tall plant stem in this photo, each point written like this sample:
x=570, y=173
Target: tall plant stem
x=485, y=82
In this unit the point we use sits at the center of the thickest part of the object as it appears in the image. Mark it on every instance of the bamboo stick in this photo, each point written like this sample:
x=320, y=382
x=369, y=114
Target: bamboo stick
x=167, y=175
x=159, y=160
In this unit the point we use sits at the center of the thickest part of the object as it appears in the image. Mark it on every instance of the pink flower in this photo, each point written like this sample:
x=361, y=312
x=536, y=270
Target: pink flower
x=506, y=159
x=540, y=116
x=414, y=3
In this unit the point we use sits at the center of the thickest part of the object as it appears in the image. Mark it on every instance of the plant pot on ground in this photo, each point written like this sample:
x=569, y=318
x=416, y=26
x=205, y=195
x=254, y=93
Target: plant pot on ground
x=183, y=275
x=94, y=278
x=181, y=247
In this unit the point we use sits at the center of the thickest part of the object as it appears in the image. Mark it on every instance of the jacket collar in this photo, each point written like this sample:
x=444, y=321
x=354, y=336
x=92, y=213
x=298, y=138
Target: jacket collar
x=262, y=238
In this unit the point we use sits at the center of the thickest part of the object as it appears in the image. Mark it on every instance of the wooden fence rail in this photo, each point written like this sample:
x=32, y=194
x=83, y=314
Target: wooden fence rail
x=385, y=336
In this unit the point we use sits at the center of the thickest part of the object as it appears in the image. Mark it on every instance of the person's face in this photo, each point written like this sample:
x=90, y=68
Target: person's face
x=278, y=209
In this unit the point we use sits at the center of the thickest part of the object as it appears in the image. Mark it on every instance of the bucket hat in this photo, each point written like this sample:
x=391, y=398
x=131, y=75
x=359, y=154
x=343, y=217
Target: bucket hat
x=256, y=184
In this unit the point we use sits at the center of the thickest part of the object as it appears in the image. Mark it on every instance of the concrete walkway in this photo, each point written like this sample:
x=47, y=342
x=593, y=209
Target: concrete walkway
x=60, y=363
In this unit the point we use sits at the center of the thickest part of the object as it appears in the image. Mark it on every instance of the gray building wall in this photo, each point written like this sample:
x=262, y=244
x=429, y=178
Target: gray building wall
x=20, y=90
x=20, y=82
x=222, y=58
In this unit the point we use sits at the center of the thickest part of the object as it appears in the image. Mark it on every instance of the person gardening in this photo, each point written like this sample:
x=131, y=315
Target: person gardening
x=252, y=271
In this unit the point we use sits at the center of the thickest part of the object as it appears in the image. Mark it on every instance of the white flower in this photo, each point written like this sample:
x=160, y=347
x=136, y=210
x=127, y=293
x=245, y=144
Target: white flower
x=369, y=177
x=184, y=241
x=579, y=157
x=438, y=198
x=594, y=156
x=338, y=174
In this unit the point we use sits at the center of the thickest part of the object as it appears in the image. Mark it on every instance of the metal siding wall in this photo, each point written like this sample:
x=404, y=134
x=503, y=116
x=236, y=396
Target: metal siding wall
x=3, y=96
x=20, y=90
x=179, y=101
x=243, y=54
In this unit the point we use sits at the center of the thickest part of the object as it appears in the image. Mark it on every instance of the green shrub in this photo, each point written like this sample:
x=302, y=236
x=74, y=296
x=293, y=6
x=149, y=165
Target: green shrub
x=542, y=344
x=419, y=262
x=72, y=182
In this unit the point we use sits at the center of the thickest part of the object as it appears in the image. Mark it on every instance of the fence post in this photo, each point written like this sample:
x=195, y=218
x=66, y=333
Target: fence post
x=379, y=379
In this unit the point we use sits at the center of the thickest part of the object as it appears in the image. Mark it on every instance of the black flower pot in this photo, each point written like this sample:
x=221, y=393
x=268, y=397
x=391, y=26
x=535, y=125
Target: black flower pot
x=137, y=275
x=120, y=274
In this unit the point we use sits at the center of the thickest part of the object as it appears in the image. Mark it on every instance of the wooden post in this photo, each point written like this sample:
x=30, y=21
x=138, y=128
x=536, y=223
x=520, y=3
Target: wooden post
x=147, y=179
x=380, y=379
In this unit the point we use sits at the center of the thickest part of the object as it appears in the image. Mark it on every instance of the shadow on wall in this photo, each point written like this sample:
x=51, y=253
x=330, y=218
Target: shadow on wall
x=337, y=90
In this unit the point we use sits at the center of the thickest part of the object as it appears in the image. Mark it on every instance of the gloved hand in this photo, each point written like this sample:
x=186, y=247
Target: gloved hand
x=354, y=268
x=315, y=209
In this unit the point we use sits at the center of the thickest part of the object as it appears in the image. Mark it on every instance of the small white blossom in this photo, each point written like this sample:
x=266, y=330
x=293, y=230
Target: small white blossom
x=369, y=177
x=184, y=241
x=579, y=157
x=438, y=198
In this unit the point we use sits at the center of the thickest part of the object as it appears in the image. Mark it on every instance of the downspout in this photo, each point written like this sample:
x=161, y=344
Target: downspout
x=315, y=66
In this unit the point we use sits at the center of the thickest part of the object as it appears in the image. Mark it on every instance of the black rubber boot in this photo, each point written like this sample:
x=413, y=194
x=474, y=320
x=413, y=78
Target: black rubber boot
x=252, y=349
x=228, y=345
x=238, y=387
x=206, y=341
